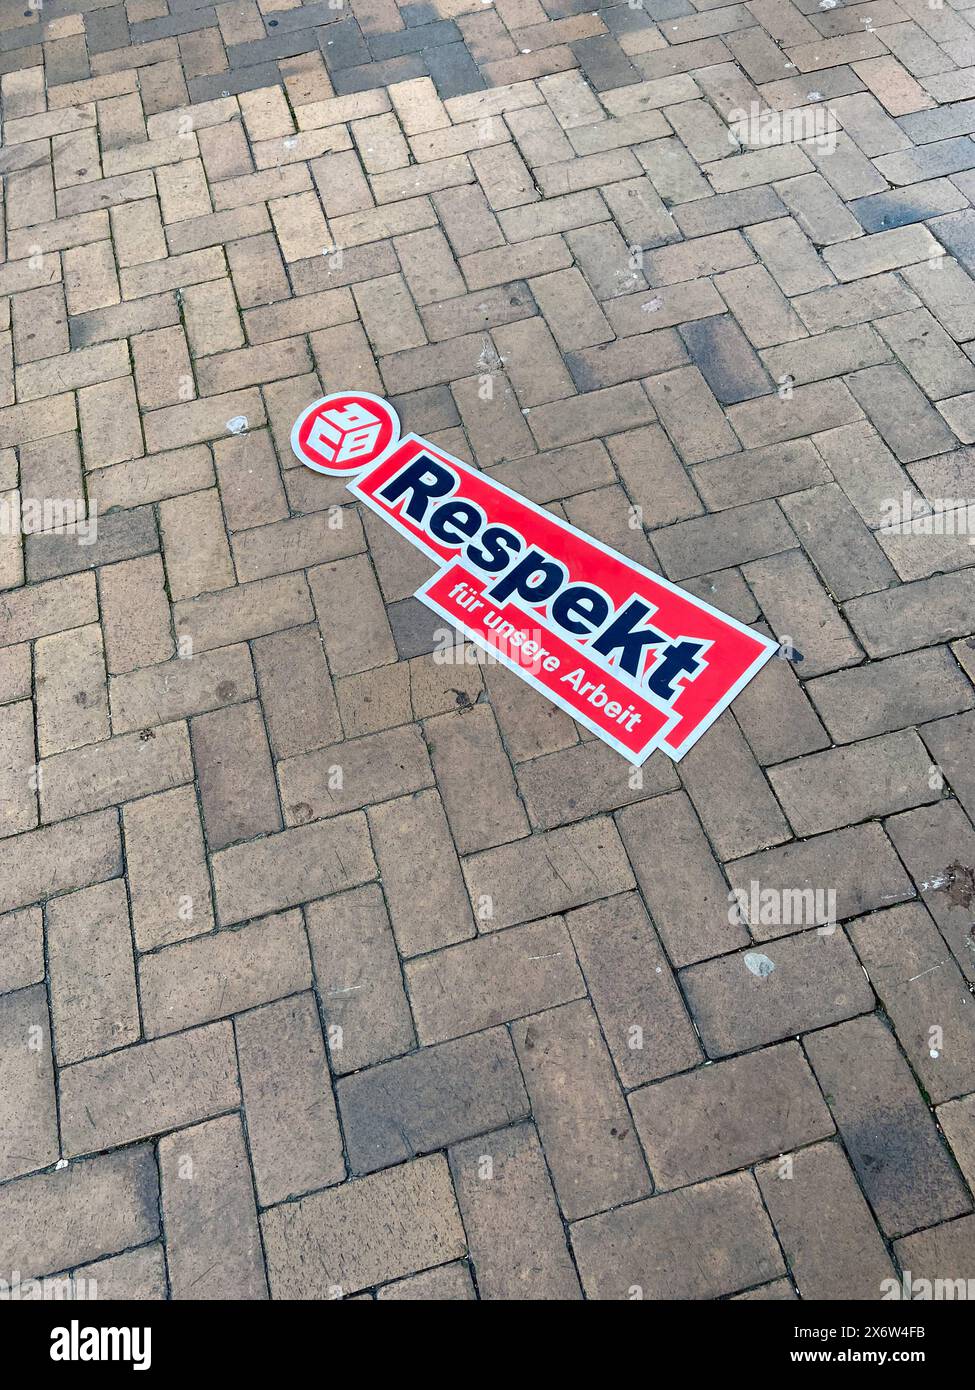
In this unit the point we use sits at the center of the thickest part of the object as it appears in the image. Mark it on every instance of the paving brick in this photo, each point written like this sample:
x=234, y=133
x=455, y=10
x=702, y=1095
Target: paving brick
x=653, y=476
x=592, y=1150
x=928, y=353
x=208, y=1208
x=223, y=973
x=917, y=1184
x=407, y=834
x=644, y=1021
x=715, y=1119
x=22, y=935
x=574, y=783
x=825, y=1227
x=875, y=777
x=354, y=626
x=56, y=859
x=17, y=763
x=171, y=691
x=736, y=808
x=533, y=364
x=299, y=710
x=364, y=1232
x=444, y=1283
x=900, y=207
x=162, y=831
x=800, y=610
x=702, y=1242
x=890, y=694
x=830, y=353
x=494, y=978
x=842, y=548
x=773, y=419
x=284, y=1074
x=121, y=768
x=935, y=844
x=941, y=1254
x=437, y=1096
x=244, y=612
x=137, y=1274
x=924, y=995
x=30, y=1132
x=148, y=1088
x=521, y=881
x=465, y=747
x=818, y=881
x=778, y=1289
x=93, y=991
x=757, y=474
x=195, y=545
x=429, y=266
x=513, y=1225
x=750, y=998
x=705, y=433
x=350, y=775
x=720, y=350
x=359, y=980
x=948, y=292
x=692, y=920
x=496, y=428
x=950, y=740
x=417, y=105
x=236, y=778
x=731, y=537
x=120, y=537
x=53, y=1221
x=291, y=867
x=957, y=1120
x=530, y=725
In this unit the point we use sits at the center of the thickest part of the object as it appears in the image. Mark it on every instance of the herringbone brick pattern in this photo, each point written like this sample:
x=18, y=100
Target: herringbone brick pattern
x=335, y=962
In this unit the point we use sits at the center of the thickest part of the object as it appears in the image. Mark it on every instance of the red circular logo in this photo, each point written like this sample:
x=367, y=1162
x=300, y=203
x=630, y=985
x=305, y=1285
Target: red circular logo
x=344, y=433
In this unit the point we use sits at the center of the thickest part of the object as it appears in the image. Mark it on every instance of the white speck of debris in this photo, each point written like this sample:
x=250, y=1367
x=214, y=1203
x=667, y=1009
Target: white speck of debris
x=551, y=956
x=827, y=4
x=489, y=359
x=934, y=1053
x=814, y=96
x=61, y=1164
x=660, y=970
x=937, y=966
x=525, y=409
x=758, y=964
x=526, y=50
x=931, y=884
x=238, y=425
x=290, y=141
x=651, y=306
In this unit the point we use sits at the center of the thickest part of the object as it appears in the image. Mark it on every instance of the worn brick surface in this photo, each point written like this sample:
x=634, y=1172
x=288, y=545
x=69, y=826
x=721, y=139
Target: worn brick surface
x=719, y=1118
x=286, y=892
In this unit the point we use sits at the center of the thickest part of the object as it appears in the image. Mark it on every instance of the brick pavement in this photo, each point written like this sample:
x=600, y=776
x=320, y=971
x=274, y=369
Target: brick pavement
x=335, y=962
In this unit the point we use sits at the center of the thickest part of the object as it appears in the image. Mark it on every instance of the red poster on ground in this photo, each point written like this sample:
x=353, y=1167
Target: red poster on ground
x=639, y=661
